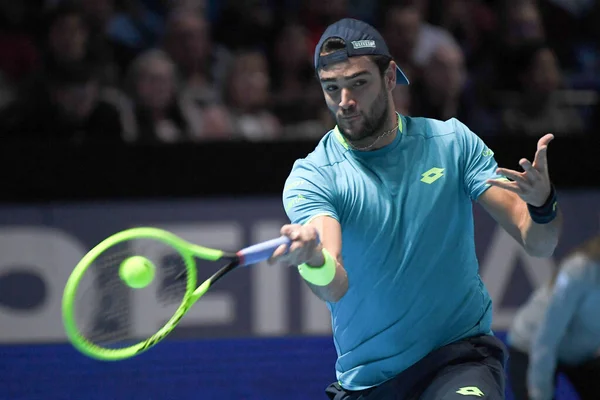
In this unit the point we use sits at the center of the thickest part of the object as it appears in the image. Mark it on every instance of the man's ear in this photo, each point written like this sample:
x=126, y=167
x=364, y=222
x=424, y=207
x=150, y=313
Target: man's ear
x=390, y=76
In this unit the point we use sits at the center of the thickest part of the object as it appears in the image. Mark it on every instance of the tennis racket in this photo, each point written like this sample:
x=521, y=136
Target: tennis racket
x=95, y=310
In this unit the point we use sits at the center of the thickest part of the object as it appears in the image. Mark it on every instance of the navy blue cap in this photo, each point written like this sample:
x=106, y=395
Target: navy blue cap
x=361, y=40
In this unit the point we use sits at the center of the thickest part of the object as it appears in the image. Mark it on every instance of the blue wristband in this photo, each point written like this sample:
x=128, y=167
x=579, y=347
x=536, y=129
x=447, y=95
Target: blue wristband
x=547, y=211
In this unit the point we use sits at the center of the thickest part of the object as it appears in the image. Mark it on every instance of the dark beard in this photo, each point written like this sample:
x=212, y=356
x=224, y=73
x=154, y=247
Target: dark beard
x=374, y=121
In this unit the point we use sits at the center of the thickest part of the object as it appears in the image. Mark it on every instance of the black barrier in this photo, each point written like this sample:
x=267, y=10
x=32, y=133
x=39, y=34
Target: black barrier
x=34, y=172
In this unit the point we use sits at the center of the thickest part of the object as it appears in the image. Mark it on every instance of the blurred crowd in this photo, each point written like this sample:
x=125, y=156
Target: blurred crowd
x=172, y=71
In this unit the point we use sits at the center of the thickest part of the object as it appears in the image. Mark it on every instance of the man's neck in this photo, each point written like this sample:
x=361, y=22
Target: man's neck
x=382, y=138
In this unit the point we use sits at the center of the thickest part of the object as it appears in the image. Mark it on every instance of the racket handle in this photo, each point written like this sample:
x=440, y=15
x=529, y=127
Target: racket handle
x=261, y=251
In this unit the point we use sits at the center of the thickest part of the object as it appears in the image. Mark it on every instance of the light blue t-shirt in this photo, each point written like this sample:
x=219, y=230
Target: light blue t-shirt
x=408, y=243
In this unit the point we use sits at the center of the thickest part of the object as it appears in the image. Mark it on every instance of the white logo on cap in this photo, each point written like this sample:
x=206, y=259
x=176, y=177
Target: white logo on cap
x=361, y=44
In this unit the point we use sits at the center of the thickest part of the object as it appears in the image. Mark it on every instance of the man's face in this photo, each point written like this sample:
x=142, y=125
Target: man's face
x=356, y=95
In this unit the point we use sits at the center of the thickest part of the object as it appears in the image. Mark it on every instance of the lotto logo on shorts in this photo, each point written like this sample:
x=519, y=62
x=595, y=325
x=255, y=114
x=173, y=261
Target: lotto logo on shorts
x=470, y=391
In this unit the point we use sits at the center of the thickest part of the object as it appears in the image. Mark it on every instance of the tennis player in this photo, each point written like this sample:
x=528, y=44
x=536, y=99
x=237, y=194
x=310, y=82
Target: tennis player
x=390, y=199
x=558, y=331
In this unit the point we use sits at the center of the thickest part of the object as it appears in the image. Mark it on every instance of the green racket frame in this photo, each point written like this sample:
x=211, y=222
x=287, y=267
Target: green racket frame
x=188, y=251
x=192, y=293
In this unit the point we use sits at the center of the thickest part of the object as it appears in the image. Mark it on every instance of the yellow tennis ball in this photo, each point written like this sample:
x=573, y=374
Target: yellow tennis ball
x=137, y=272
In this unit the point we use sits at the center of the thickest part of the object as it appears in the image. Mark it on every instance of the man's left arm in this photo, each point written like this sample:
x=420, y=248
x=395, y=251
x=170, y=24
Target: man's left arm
x=526, y=206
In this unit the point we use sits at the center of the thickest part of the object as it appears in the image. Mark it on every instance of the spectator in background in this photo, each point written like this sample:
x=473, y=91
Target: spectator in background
x=163, y=7
x=521, y=23
x=99, y=16
x=297, y=97
x=159, y=113
x=471, y=22
x=195, y=6
x=254, y=23
x=540, y=106
x=201, y=64
x=575, y=38
x=558, y=330
x=135, y=26
x=595, y=119
x=68, y=109
x=495, y=72
x=246, y=96
x=317, y=15
x=69, y=39
x=401, y=26
x=19, y=56
x=439, y=94
x=67, y=35
x=410, y=38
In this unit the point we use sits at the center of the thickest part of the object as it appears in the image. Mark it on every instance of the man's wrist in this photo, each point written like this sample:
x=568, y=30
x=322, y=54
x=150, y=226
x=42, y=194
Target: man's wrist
x=547, y=212
x=321, y=275
x=318, y=258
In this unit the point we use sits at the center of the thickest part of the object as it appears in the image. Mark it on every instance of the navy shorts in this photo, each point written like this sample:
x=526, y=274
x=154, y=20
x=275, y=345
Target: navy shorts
x=472, y=368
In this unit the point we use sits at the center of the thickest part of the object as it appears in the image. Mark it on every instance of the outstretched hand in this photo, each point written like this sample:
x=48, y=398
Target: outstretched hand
x=533, y=184
x=305, y=246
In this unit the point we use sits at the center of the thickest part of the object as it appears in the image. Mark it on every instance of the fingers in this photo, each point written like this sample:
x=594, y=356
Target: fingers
x=511, y=186
x=299, y=232
x=526, y=179
x=531, y=173
x=288, y=229
x=541, y=159
x=533, y=180
x=514, y=175
x=278, y=254
x=541, y=155
x=302, y=247
x=281, y=250
x=545, y=140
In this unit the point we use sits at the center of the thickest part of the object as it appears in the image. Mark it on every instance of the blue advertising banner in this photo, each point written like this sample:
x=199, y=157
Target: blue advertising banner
x=40, y=245
x=258, y=328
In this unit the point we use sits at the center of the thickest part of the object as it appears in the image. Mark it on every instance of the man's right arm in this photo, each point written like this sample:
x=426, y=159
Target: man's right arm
x=309, y=200
x=305, y=250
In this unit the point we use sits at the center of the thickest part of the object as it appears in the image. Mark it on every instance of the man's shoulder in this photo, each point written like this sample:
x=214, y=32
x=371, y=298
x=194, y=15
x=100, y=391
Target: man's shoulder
x=429, y=128
x=327, y=153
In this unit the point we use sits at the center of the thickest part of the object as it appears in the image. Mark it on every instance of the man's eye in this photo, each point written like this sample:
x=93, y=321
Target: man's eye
x=359, y=83
x=331, y=88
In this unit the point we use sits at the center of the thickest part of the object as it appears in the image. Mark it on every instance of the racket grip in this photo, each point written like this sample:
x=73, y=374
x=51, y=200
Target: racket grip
x=261, y=251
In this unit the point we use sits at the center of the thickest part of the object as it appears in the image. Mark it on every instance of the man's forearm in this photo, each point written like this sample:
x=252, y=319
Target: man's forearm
x=333, y=292
x=539, y=240
x=337, y=288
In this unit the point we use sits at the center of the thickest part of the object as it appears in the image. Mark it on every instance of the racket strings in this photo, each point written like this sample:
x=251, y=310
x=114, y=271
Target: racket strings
x=172, y=288
x=102, y=312
x=105, y=304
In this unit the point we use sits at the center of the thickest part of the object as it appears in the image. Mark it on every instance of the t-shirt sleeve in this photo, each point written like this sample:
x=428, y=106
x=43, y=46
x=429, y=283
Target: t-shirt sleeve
x=308, y=194
x=479, y=163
